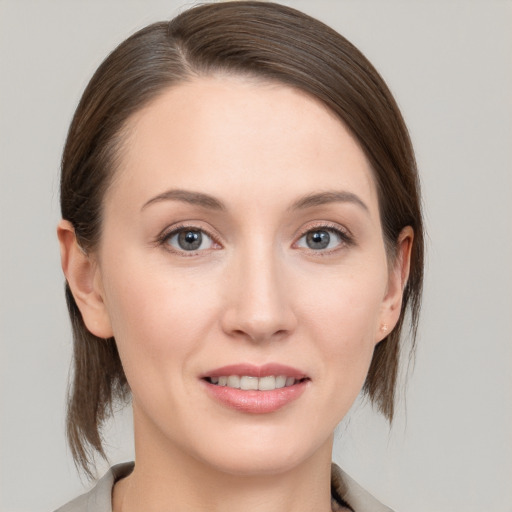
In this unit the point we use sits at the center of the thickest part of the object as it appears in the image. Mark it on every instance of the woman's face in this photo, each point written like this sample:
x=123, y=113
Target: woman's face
x=242, y=242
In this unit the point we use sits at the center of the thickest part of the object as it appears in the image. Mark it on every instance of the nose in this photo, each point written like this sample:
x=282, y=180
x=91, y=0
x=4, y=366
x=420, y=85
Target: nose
x=259, y=299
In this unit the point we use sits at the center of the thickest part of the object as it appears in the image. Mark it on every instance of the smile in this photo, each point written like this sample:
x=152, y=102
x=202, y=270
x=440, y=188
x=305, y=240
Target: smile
x=255, y=389
x=248, y=382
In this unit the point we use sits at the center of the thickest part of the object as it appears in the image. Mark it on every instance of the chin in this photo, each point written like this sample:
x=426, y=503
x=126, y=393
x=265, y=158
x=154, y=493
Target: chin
x=262, y=455
x=262, y=463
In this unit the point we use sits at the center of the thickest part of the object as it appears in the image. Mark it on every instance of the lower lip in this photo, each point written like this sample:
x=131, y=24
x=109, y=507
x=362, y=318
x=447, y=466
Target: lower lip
x=256, y=402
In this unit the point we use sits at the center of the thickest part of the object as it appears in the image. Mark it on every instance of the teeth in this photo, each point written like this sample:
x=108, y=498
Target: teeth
x=246, y=382
x=267, y=383
x=280, y=381
x=233, y=381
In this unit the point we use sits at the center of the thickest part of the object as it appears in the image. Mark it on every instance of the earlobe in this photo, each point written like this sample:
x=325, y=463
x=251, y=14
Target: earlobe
x=83, y=277
x=398, y=276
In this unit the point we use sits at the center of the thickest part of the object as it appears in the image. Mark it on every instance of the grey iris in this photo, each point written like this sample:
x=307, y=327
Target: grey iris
x=318, y=239
x=190, y=240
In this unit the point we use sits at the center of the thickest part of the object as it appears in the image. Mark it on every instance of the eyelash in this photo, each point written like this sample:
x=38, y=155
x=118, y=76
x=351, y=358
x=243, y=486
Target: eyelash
x=344, y=235
x=166, y=235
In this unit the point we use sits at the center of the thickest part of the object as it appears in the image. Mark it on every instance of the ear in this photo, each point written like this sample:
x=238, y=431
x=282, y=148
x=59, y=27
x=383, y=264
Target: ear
x=398, y=275
x=84, y=279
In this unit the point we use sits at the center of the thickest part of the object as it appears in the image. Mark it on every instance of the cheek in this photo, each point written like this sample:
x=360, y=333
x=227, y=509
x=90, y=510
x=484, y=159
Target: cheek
x=347, y=305
x=159, y=318
x=344, y=316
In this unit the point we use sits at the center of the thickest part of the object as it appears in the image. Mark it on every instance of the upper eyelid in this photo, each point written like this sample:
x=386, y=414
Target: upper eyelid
x=171, y=231
x=319, y=225
x=347, y=239
x=181, y=226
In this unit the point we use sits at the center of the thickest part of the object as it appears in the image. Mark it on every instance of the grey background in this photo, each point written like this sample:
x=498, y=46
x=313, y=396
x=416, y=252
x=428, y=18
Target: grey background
x=449, y=64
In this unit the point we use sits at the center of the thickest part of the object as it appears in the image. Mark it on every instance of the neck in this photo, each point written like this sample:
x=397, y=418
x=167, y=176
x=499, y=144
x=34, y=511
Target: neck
x=170, y=479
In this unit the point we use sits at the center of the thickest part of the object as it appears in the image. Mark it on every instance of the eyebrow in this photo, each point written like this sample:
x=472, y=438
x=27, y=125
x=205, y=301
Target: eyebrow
x=321, y=198
x=212, y=203
x=186, y=196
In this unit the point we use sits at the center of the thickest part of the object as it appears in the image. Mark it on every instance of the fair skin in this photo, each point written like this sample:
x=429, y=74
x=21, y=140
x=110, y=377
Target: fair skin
x=242, y=228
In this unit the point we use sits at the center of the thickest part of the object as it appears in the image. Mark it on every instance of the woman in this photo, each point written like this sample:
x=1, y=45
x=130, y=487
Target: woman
x=241, y=239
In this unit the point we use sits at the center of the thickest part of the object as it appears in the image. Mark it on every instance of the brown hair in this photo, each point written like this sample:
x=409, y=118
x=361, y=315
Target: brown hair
x=251, y=38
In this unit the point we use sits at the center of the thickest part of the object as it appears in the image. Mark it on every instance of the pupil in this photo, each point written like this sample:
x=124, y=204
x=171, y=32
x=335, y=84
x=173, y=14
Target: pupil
x=318, y=239
x=190, y=240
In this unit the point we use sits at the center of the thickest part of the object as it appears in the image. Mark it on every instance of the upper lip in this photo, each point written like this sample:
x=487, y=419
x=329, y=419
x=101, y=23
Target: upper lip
x=252, y=370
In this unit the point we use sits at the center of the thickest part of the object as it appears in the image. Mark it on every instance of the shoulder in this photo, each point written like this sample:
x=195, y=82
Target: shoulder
x=347, y=491
x=99, y=498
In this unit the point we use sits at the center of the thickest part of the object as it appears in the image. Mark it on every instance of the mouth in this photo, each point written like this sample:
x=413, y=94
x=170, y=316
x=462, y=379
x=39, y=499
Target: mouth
x=248, y=382
x=255, y=389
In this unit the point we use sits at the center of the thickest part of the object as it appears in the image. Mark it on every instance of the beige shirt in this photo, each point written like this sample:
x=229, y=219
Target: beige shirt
x=346, y=493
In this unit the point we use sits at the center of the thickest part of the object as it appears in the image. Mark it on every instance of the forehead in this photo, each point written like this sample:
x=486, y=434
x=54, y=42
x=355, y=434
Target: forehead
x=225, y=135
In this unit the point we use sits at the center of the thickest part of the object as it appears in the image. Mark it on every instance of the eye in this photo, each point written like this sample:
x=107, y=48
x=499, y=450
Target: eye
x=322, y=238
x=189, y=240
